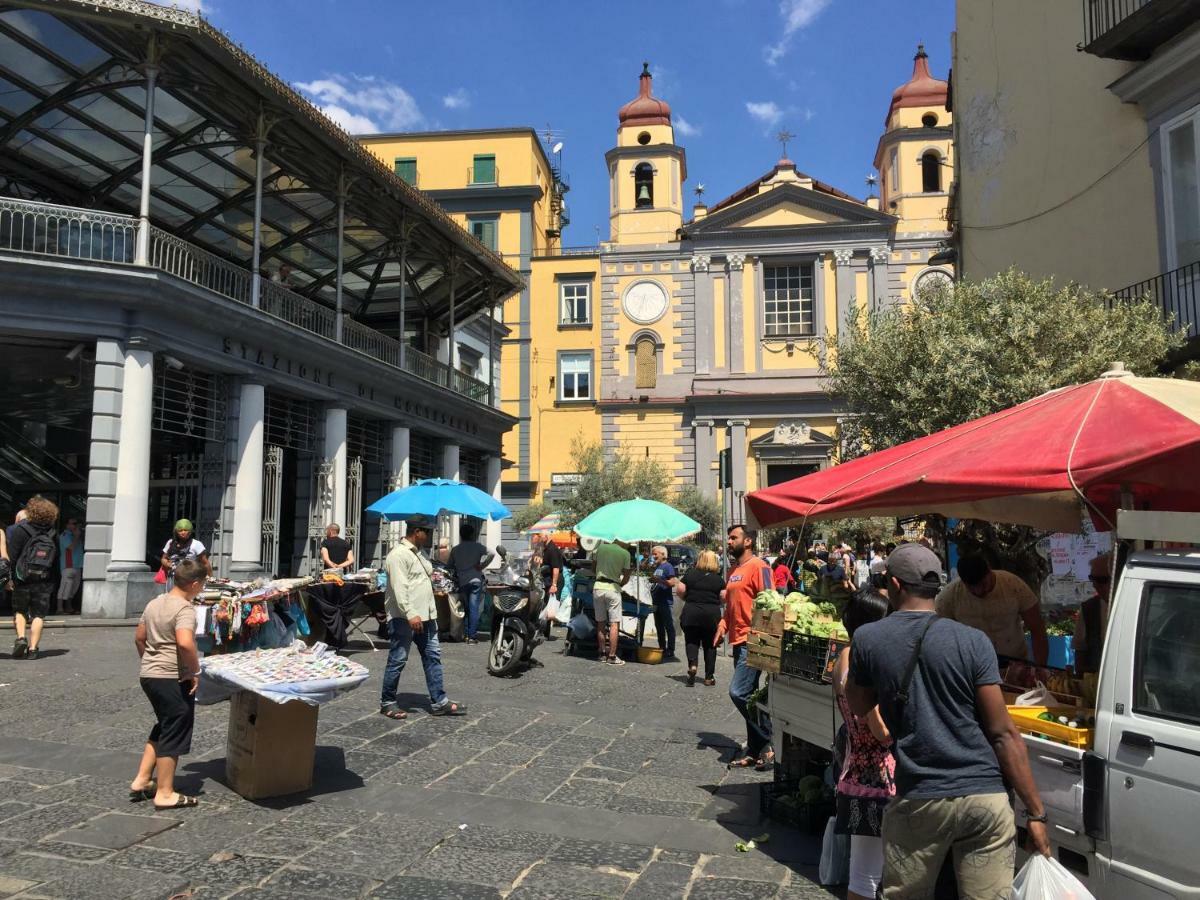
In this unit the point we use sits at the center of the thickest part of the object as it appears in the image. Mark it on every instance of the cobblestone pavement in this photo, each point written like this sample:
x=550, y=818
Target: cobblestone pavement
x=574, y=780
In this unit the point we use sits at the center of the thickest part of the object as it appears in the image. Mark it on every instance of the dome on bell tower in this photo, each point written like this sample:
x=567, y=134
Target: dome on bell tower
x=645, y=109
x=920, y=90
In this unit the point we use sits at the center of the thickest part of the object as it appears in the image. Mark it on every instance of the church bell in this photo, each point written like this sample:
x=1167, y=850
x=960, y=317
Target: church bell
x=643, y=194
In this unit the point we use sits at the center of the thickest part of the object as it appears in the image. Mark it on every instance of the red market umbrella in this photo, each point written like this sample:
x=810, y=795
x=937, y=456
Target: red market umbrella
x=1028, y=465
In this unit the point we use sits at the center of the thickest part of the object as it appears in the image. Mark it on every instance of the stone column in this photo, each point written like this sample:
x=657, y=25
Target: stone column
x=493, y=483
x=335, y=452
x=248, y=490
x=706, y=455
x=845, y=287
x=401, y=444
x=131, y=505
x=705, y=340
x=102, y=474
x=737, y=462
x=879, y=278
x=737, y=333
x=450, y=469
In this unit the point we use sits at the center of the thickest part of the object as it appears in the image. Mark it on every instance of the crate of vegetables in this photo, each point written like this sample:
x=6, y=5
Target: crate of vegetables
x=763, y=651
x=1064, y=725
x=809, y=656
x=804, y=803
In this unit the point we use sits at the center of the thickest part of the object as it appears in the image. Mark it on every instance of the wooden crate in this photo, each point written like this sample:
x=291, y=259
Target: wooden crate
x=763, y=651
x=773, y=621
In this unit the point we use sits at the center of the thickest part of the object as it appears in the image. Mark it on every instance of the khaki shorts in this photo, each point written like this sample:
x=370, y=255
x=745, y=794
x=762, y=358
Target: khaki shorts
x=606, y=601
x=979, y=831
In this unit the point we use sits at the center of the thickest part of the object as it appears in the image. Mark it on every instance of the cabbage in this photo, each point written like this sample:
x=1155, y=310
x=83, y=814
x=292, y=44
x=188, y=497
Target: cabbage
x=768, y=600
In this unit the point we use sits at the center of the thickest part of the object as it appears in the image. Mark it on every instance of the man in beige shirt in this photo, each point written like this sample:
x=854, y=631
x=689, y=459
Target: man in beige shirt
x=999, y=604
x=412, y=618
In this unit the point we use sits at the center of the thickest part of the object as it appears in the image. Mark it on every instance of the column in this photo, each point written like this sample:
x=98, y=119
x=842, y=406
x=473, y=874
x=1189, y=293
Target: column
x=102, y=474
x=737, y=333
x=705, y=342
x=335, y=452
x=341, y=228
x=248, y=490
x=493, y=483
x=706, y=456
x=403, y=294
x=260, y=146
x=452, y=333
x=450, y=469
x=401, y=444
x=142, y=250
x=845, y=288
x=132, y=502
x=879, y=278
x=737, y=462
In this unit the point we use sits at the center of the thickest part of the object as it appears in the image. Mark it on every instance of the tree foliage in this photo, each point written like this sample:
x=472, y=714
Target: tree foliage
x=963, y=351
x=529, y=515
x=695, y=504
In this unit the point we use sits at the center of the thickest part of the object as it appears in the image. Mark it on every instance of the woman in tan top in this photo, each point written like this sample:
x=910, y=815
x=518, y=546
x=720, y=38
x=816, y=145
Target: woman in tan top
x=170, y=674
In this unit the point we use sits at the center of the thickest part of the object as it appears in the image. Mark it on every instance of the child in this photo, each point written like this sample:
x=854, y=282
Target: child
x=170, y=674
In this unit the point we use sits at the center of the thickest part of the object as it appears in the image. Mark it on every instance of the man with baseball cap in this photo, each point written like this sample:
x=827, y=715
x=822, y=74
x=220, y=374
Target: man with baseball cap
x=937, y=687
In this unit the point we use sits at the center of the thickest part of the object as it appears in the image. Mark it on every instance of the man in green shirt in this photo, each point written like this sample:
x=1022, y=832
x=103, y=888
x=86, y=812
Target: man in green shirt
x=613, y=565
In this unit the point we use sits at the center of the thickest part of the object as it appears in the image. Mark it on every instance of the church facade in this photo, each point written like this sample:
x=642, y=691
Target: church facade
x=682, y=336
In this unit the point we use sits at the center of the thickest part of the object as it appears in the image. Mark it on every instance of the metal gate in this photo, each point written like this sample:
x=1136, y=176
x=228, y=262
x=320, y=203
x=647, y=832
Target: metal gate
x=320, y=514
x=354, y=490
x=272, y=495
x=197, y=493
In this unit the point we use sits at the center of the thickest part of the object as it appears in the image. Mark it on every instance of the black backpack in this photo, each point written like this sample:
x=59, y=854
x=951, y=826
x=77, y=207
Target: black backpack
x=36, y=561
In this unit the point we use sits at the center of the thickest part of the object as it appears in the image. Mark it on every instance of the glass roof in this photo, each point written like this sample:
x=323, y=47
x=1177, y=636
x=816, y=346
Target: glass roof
x=72, y=108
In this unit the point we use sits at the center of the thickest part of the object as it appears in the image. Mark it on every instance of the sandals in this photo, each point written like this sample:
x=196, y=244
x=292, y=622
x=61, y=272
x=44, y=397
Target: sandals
x=765, y=762
x=710, y=682
x=182, y=801
x=691, y=678
x=393, y=712
x=449, y=709
x=742, y=762
x=146, y=793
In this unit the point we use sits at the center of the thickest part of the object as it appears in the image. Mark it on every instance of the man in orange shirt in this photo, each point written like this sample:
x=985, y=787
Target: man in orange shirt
x=750, y=576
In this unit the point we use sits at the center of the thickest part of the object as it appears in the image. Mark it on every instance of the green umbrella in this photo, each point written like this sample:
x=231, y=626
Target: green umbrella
x=637, y=520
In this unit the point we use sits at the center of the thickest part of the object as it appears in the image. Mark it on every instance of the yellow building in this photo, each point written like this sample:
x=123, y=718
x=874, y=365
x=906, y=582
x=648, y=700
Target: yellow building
x=679, y=338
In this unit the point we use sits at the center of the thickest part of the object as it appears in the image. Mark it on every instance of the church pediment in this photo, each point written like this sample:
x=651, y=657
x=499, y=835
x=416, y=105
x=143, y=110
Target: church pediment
x=792, y=438
x=789, y=206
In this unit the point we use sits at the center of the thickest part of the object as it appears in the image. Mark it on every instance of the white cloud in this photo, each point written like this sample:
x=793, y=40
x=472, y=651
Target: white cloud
x=457, y=99
x=683, y=126
x=767, y=113
x=363, y=103
x=797, y=14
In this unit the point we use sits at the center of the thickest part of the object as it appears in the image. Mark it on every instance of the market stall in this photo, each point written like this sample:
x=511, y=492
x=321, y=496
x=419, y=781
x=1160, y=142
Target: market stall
x=334, y=599
x=235, y=616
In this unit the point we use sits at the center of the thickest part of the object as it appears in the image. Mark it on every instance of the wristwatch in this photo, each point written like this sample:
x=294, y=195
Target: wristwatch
x=1042, y=818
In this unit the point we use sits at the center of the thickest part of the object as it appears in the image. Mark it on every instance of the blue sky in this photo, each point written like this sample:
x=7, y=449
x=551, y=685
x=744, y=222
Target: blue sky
x=734, y=72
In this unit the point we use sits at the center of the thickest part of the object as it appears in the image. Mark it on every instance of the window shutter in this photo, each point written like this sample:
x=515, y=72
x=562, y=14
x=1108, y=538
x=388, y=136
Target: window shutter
x=407, y=169
x=646, y=361
x=485, y=170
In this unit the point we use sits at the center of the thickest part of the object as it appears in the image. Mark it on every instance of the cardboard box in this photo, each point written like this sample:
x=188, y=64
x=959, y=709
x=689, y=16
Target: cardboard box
x=271, y=746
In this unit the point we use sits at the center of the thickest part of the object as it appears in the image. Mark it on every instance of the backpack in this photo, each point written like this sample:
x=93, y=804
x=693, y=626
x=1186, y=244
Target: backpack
x=37, y=556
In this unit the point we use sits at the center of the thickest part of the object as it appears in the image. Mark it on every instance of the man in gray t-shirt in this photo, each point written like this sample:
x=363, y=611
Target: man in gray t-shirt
x=468, y=559
x=954, y=742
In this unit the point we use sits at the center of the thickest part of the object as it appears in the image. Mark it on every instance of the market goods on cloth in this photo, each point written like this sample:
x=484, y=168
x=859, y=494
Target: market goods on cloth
x=637, y=520
x=313, y=675
x=1026, y=465
x=433, y=497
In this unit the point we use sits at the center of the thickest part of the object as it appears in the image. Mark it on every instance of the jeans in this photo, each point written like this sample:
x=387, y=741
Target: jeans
x=471, y=595
x=664, y=626
x=741, y=686
x=402, y=639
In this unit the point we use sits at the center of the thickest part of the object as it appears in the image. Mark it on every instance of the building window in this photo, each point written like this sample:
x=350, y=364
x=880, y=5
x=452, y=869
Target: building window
x=483, y=229
x=931, y=172
x=575, y=376
x=484, y=169
x=893, y=172
x=469, y=360
x=406, y=168
x=575, y=303
x=646, y=362
x=788, y=300
x=1182, y=168
x=643, y=186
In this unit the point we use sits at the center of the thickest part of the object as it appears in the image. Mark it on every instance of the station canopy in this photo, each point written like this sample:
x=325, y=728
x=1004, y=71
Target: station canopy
x=72, y=110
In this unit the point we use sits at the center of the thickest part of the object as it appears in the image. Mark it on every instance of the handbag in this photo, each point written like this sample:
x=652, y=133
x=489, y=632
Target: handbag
x=160, y=577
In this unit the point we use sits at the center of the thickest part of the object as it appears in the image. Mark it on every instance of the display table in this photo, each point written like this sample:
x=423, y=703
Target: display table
x=334, y=605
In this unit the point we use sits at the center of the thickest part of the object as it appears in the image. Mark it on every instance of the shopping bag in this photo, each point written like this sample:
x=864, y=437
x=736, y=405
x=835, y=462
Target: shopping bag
x=835, y=856
x=550, y=610
x=1045, y=878
x=1037, y=696
x=160, y=577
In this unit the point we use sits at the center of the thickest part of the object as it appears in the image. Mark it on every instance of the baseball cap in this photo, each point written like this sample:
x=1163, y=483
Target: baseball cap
x=914, y=564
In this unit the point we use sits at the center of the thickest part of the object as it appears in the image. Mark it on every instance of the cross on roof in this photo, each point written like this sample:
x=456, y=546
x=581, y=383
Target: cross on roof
x=783, y=137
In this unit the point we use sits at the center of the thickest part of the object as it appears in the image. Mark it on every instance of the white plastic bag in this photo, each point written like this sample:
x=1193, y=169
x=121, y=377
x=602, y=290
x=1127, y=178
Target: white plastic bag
x=1038, y=696
x=1045, y=878
x=835, y=856
x=550, y=610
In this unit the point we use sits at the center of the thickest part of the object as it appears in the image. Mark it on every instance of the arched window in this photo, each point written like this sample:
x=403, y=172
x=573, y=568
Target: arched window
x=646, y=362
x=931, y=172
x=643, y=186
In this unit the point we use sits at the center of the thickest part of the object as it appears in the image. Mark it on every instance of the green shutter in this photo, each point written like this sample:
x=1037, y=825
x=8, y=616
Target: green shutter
x=406, y=168
x=484, y=230
x=485, y=170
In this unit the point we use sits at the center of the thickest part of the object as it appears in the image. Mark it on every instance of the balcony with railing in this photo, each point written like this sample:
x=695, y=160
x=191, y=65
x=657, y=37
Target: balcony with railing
x=1134, y=29
x=68, y=232
x=1176, y=293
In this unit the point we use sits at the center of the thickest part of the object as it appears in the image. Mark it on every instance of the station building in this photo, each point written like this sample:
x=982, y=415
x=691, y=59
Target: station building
x=215, y=304
x=682, y=335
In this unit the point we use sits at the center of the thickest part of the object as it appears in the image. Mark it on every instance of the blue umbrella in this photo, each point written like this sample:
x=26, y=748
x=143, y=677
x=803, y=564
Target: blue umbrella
x=433, y=497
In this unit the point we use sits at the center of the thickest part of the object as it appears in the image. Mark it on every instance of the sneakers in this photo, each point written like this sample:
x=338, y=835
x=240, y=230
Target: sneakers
x=20, y=648
x=615, y=661
x=33, y=653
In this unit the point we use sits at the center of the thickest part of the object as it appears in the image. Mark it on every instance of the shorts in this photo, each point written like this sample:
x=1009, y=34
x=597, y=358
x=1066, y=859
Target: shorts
x=175, y=708
x=33, y=600
x=606, y=601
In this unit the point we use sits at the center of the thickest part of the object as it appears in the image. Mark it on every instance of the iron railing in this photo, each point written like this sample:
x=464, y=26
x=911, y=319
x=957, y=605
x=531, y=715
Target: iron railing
x=588, y=250
x=1176, y=293
x=1102, y=16
x=74, y=233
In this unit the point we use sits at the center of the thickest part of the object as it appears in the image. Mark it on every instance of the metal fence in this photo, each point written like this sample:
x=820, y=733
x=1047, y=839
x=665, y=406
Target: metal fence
x=1102, y=16
x=1176, y=293
x=66, y=231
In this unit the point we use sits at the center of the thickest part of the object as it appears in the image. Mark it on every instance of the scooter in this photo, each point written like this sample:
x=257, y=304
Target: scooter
x=516, y=631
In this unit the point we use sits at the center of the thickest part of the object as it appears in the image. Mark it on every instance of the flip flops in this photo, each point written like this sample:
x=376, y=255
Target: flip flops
x=449, y=708
x=146, y=793
x=393, y=712
x=182, y=801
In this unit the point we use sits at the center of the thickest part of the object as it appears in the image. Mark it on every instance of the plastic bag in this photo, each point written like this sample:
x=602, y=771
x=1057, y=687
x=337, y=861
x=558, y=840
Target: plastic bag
x=835, y=856
x=550, y=610
x=581, y=628
x=1045, y=878
x=1038, y=696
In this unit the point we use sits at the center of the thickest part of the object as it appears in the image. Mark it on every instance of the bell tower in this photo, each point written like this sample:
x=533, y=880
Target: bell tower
x=646, y=171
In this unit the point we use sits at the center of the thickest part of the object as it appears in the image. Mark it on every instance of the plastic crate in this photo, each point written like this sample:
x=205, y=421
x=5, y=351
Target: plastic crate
x=1027, y=722
x=809, y=818
x=808, y=656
